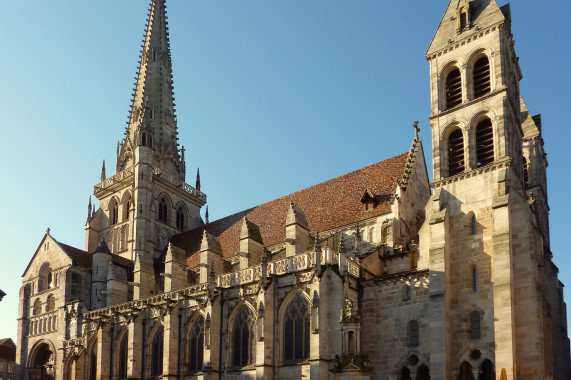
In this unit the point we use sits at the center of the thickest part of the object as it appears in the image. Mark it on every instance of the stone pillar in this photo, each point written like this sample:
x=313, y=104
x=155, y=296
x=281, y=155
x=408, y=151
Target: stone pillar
x=135, y=348
x=210, y=256
x=144, y=277
x=103, y=352
x=265, y=334
x=175, y=273
x=212, y=333
x=439, y=301
x=170, y=344
x=503, y=292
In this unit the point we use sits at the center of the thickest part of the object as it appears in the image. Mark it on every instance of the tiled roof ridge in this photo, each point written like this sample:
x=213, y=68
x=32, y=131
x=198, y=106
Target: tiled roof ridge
x=310, y=187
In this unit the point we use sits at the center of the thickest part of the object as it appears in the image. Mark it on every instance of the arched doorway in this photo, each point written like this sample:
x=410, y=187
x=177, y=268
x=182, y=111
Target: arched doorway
x=487, y=371
x=43, y=367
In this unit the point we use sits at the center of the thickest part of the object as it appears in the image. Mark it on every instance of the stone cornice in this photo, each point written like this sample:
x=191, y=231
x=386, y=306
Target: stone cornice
x=463, y=41
x=468, y=104
x=143, y=303
x=394, y=277
x=484, y=169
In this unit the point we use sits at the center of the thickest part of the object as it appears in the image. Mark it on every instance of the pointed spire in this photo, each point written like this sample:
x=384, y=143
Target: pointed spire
x=197, y=179
x=152, y=120
x=206, y=216
x=103, y=176
x=89, y=206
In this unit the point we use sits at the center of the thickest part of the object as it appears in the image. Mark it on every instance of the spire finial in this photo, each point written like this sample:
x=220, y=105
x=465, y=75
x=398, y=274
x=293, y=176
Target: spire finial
x=89, y=210
x=206, y=215
x=198, y=179
x=416, y=129
x=103, y=176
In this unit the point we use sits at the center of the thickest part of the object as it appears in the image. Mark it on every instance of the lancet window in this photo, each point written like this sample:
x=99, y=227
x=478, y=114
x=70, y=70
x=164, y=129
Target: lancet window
x=123, y=357
x=475, y=330
x=196, y=345
x=180, y=218
x=114, y=212
x=243, y=338
x=413, y=334
x=157, y=353
x=296, y=329
x=163, y=214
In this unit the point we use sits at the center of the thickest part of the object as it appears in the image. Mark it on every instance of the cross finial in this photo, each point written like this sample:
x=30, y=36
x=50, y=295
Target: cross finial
x=47, y=231
x=416, y=129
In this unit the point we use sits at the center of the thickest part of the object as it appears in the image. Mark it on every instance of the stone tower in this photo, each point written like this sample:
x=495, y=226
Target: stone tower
x=147, y=201
x=489, y=252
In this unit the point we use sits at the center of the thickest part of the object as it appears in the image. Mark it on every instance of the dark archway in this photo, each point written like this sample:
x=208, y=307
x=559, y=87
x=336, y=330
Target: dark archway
x=423, y=373
x=466, y=372
x=487, y=371
x=44, y=363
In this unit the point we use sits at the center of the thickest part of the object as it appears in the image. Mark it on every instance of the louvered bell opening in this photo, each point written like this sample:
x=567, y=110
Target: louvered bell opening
x=453, y=89
x=455, y=153
x=481, y=77
x=525, y=172
x=484, y=143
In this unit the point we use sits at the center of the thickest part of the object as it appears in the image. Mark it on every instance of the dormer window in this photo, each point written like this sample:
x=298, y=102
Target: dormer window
x=368, y=201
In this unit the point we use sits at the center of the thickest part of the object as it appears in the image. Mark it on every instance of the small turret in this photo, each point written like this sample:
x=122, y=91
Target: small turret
x=103, y=176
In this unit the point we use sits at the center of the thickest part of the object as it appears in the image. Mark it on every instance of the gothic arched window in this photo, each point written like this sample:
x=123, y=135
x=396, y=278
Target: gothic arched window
x=163, y=211
x=455, y=153
x=127, y=208
x=180, y=218
x=123, y=357
x=157, y=353
x=481, y=77
x=93, y=363
x=296, y=329
x=196, y=345
x=475, y=330
x=453, y=89
x=484, y=143
x=113, y=212
x=243, y=338
x=413, y=334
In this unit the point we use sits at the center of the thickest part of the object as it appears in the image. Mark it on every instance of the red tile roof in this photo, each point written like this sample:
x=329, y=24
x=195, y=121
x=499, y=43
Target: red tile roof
x=327, y=205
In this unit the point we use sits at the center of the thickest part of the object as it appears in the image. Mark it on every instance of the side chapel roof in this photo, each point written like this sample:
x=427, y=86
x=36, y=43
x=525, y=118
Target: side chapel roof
x=327, y=205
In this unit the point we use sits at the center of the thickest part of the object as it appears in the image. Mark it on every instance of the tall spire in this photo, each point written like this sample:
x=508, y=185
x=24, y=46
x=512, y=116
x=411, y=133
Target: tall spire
x=152, y=121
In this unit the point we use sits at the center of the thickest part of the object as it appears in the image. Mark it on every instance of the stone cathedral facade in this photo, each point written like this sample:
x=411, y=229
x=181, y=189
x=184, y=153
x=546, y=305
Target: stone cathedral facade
x=377, y=274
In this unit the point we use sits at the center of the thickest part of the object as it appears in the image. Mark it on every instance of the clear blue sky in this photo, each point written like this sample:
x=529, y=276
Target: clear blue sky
x=272, y=97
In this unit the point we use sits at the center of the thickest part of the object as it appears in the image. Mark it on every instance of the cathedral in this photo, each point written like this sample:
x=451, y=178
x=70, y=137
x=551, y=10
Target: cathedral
x=376, y=274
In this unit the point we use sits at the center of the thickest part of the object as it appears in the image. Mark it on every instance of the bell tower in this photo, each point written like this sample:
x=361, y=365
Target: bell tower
x=147, y=200
x=492, y=275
